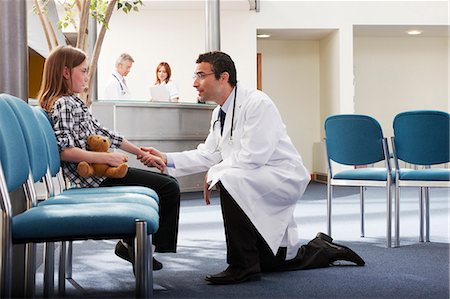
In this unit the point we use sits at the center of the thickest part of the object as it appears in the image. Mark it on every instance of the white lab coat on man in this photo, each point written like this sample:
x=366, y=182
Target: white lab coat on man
x=116, y=88
x=259, y=166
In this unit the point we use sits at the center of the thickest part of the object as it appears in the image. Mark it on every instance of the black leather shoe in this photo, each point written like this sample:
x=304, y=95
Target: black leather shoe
x=126, y=252
x=157, y=265
x=340, y=252
x=234, y=275
x=121, y=251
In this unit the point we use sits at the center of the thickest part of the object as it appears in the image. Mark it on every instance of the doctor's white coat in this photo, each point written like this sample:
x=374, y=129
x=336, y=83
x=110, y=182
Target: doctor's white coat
x=259, y=167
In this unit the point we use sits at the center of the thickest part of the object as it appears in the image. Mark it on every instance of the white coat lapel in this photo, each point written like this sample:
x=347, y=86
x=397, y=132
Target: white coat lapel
x=229, y=118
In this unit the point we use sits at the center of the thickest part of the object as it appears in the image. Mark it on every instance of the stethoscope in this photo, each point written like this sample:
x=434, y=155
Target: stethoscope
x=230, y=141
x=122, y=90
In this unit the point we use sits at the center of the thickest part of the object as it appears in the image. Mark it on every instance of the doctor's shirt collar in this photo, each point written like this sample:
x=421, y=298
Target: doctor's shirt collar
x=228, y=101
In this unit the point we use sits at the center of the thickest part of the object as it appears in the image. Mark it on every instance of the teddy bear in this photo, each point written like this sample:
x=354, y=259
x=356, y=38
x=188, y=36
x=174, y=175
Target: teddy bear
x=98, y=143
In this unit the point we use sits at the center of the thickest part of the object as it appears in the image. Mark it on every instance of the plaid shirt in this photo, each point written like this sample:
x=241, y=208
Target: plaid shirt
x=73, y=123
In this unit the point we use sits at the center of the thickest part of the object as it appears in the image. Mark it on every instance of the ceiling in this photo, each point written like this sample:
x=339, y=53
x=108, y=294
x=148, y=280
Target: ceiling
x=195, y=4
x=400, y=30
x=358, y=30
x=295, y=34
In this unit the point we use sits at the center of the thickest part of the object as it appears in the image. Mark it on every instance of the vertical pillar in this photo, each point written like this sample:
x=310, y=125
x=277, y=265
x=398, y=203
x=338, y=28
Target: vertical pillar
x=14, y=48
x=14, y=81
x=212, y=9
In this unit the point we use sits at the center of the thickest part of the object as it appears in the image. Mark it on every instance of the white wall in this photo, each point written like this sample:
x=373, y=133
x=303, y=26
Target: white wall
x=395, y=74
x=290, y=76
x=151, y=37
x=329, y=78
x=178, y=36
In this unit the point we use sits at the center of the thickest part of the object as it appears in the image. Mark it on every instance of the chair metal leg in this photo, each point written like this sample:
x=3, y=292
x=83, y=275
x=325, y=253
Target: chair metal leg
x=30, y=270
x=361, y=200
x=421, y=214
x=49, y=270
x=143, y=255
x=69, y=259
x=62, y=270
x=427, y=214
x=388, y=216
x=6, y=257
x=397, y=216
x=329, y=195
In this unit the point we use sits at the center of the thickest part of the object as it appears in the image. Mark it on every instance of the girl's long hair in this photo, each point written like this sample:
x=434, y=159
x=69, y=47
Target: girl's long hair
x=54, y=85
x=168, y=71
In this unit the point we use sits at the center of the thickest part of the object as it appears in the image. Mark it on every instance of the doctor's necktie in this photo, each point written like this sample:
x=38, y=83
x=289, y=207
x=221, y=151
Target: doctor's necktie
x=222, y=116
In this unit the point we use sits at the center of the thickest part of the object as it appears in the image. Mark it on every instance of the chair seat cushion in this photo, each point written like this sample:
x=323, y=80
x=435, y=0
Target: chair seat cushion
x=432, y=174
x=115, y=190
x=81, y=197
x=366, y=174
x=81, y=222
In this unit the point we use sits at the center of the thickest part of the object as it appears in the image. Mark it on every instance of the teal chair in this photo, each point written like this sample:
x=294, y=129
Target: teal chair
x=421, y=138
x=31, y=121
x=62, y=222
x=100, y=194
x=357, y=141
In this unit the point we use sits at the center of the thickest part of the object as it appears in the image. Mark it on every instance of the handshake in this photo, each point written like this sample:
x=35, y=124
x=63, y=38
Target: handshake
x=152, y=157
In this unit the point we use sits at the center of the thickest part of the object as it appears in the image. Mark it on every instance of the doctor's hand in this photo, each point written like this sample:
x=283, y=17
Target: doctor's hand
x=153, y=151
x=152, y=161
x=206, y=191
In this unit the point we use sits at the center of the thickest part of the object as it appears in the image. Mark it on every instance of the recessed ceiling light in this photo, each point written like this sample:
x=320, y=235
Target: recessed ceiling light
x=263, y=35
x=414, y=32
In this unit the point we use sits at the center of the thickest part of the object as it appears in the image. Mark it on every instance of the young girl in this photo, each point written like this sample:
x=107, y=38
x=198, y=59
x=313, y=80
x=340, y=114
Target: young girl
x=66, y=75
x=163, y=74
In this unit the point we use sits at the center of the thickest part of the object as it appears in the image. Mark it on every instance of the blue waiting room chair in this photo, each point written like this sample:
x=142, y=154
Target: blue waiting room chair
x=357, y=141
x=62, y=222
x=421, y=139
x=31, y=122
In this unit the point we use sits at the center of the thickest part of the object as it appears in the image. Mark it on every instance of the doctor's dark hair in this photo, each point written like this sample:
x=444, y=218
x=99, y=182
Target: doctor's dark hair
x=220, y=62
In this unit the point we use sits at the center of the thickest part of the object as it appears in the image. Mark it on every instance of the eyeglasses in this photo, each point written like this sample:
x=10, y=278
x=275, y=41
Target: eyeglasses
x=201, y=75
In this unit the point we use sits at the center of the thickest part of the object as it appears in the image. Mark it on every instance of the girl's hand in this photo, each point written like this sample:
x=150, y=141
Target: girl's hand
x=115, y=159
x=153, y=151
x=153, y=161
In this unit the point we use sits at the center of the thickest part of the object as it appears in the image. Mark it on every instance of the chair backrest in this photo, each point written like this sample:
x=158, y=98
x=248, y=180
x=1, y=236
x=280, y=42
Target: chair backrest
x=35, y=143
x=49, y=137
x=421, y=137
x=13, y=152
x=354, y=139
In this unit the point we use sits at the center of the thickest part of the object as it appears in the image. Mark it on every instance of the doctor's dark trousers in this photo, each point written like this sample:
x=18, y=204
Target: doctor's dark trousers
x=168, y=190
x=245, y=246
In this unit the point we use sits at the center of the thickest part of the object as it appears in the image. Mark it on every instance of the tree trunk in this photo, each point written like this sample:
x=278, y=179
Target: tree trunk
x=96, y=52
x=83, y=29
x=44, y=26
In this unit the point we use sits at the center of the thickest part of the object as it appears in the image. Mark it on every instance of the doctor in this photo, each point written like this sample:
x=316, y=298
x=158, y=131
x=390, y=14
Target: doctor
x=116, y=88
x=260, y=175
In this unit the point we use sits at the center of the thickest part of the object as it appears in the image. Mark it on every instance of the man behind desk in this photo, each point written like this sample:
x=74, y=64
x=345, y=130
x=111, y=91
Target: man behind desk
x=260, y=175
x=116, y=88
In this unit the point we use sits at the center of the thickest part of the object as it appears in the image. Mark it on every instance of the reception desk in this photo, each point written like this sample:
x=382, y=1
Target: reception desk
x=169, y=127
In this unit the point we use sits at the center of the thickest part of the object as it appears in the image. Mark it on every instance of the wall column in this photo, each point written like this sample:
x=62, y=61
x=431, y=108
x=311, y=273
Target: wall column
x=13, y=48
x=14, y=81
x=212, y=9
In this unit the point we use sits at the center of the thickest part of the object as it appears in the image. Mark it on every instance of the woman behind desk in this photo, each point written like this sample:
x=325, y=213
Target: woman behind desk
x=163, y=73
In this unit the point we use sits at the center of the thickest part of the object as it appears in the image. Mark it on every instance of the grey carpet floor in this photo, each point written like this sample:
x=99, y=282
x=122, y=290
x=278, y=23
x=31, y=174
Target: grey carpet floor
x=414, y=270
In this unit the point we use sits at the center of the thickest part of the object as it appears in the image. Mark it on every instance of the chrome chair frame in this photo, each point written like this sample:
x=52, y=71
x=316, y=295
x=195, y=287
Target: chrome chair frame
x=423, y=185
x=362, y=184
x=143, y=251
